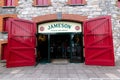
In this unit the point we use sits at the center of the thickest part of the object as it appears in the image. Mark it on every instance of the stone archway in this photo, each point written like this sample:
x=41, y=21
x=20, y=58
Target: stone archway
x=54, y=17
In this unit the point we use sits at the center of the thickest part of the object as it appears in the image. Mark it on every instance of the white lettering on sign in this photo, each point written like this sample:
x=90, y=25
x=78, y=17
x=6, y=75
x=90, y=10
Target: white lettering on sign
x=59, y=27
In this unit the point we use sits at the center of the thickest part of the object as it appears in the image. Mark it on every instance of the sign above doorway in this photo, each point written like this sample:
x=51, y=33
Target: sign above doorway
x=59, y=27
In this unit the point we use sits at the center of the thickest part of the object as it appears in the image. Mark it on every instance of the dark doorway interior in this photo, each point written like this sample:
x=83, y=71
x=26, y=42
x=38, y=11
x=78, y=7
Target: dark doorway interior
x=60, y=46
x=42, y=48
x=77, y=48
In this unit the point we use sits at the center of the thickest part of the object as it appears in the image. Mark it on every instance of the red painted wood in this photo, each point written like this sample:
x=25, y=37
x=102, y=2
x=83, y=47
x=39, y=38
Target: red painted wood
x=12, y=1
x=73, y=1
x=42, y=2
x=21, y=42
x=5, y=46
x=5, y=23
x=45, y=2
x=39, y=2
x=5, y=2
x=98, y=42
x=9, y=3
x=4, y=52
x=78, y=1
x=118, y=4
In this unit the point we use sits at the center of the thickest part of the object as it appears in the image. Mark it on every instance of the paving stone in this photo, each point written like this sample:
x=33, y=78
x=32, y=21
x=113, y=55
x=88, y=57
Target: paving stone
x=55, y=75
x=80, y=71
x=64, y=76
x=86, y=73
x=47, y=71
x=45, y=75
x=111, y=75
x=56, y=71
x=72, y=71
x=102, y=75
x=83, y=76
x=73, y=75
x=63, y=71
x=92, y=75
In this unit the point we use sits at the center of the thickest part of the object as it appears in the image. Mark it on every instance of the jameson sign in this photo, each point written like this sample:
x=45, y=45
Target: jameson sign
x=59, y=27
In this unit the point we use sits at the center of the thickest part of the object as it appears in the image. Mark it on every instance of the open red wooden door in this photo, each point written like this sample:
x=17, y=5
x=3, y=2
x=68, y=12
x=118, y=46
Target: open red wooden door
x=98, y=42
x=5, y=46
x=21, y=43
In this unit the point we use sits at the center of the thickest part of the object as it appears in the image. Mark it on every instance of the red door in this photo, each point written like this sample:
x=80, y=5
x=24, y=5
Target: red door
x=21, y=43
x=5, y=46
x=9, y=2
x=42, y=2
x=98, y=42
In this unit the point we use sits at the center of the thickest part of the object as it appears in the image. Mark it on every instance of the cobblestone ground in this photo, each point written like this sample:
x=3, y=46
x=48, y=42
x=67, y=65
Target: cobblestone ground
x=70, y=71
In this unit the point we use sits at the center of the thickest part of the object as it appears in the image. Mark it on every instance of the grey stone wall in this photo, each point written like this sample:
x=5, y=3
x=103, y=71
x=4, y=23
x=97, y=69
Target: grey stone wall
x=7, y=10
x=92, y=9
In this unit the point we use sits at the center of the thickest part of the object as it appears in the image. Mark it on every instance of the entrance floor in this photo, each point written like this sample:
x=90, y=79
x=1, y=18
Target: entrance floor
x=71, y=71
x=60, y=61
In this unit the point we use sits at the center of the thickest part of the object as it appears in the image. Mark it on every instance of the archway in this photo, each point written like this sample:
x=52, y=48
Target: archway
x=57, y=37
x=98, y=44
x=62, y=17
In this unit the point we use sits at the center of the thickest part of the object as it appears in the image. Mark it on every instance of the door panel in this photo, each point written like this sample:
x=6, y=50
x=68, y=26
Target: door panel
x=45, y=2
x=39, y=2
x=9, y=2
x=98, y=42
x=79, y=1
x=5, y=46
x=21, y=42
x=73, y=1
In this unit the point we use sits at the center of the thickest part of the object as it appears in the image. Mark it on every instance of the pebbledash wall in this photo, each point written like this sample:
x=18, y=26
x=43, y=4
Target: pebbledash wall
x=92, y=9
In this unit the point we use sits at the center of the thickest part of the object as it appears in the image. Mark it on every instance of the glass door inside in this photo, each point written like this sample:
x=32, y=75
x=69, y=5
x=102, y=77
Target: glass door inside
x=42, y=48
x=76, y=48
x=60, y=46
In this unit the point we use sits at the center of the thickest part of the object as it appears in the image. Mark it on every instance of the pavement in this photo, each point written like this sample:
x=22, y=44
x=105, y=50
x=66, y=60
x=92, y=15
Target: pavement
x=70, y=71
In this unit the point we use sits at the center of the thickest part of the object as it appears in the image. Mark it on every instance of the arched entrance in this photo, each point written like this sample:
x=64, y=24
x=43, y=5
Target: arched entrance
x=97, y=34
x=60, y=40
x=97, y=47
x=60, y=37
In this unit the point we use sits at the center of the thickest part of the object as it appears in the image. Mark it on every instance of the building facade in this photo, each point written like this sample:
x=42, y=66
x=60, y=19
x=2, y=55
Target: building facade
x=88, y=9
